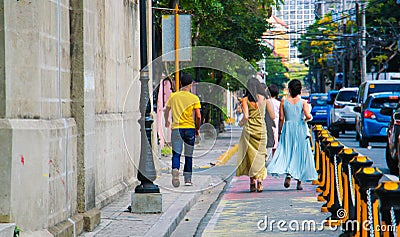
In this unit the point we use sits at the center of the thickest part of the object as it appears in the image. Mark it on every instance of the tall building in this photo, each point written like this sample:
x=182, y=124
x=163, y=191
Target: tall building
x=297, y=14
x=276, y=38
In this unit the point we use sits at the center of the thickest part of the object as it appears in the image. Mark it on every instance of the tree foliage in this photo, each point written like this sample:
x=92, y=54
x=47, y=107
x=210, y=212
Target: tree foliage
x=234, y=25
x=323, y=42
x=383, y=27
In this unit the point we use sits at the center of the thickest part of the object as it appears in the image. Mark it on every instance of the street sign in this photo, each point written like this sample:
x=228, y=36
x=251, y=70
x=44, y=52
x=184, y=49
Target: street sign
x=168, y=37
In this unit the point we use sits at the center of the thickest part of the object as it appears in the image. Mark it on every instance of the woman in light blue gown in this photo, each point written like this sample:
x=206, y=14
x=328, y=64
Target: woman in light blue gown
x=293, y=155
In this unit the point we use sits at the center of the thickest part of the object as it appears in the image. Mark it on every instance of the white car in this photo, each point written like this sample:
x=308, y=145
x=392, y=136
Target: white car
x=342, y=115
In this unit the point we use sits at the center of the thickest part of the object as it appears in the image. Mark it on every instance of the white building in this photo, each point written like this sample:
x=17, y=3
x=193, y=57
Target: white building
x=298, y=15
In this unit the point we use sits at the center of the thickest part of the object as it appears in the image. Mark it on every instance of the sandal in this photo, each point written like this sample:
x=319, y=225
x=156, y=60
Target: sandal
x=252, y=185
x=286, y=184
x=259, y=186
x=299, y=187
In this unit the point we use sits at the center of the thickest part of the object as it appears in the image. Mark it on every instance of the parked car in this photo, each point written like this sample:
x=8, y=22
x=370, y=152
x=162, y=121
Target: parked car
x=369, y=87
x=305, y=97
x=373, y=125
x=393, y=140
x=342, y=116
x=331, y=99
x=319, y=109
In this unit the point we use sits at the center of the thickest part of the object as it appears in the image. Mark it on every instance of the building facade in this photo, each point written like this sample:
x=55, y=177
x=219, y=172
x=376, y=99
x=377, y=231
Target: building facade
x=69, y=109
x=298, y=15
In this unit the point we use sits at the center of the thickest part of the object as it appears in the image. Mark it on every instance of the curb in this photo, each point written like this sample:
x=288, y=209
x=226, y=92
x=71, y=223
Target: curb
x=171, y=218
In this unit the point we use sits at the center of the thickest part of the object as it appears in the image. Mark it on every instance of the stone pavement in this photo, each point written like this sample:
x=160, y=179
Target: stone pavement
x=243, y=213
x=212, y=208
x=116, y=220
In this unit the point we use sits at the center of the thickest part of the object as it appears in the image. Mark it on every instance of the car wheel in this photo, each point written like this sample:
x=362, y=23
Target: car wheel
x=391, y=163
x=363, y=142
x=357, y=136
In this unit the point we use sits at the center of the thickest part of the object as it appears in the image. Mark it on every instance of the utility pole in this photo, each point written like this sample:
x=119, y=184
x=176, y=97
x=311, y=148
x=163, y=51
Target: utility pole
x=363, y=45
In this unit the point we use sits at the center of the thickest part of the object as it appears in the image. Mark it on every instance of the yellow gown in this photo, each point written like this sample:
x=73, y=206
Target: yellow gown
x=252, y=145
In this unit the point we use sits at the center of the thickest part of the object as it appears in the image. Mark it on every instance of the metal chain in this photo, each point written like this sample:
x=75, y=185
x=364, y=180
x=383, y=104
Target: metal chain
x=370, y=218
x=337, y=181
x=353, y=198
x=393, y=220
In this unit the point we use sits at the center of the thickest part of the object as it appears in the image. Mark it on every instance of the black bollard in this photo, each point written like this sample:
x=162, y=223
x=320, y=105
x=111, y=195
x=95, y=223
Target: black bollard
x=388, y=193
x=324, y=187
x=368, y=179
x=317, y=129
x=356, y=164
x=346, y=155
x=321, y=157
x=334, y=201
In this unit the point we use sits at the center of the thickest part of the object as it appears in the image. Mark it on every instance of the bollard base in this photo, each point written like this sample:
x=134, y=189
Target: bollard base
x=146, y=203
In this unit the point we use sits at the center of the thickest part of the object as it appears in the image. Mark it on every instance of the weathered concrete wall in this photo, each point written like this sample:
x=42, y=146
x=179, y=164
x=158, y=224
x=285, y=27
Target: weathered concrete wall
x=69, y=107
x=112, y=55
x=37, y=65
x=39, y=159
x=41, y=169
x=2, y=64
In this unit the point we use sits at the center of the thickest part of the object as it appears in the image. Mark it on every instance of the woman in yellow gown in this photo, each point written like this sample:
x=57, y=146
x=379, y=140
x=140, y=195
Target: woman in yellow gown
x=253, y=140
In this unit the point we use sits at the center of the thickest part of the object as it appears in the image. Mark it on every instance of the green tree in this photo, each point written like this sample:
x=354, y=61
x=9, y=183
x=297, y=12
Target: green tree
x=383, y=27
x=234, y=25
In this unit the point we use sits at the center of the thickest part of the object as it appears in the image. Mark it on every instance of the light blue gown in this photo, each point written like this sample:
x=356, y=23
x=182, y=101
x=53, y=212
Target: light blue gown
x=293, y=155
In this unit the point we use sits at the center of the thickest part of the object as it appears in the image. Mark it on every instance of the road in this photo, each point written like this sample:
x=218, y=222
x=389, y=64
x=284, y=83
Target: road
x=375, y=151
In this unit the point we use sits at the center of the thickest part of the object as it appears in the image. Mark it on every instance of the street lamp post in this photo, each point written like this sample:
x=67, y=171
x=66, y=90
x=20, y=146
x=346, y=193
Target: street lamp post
x=147, y=196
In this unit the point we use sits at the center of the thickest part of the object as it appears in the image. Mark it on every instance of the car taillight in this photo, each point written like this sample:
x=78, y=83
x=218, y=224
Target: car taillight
x=396, y=118
x=338, y=106
x=369, y=114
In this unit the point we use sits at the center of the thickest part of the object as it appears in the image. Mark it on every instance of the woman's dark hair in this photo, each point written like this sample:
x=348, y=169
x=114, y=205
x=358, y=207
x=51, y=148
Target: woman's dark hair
x=273, y=89
x=253, y=88
x=266, y=94
x=294, y=87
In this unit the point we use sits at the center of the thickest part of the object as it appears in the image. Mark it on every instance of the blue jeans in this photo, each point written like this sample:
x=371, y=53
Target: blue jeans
x=179, y=138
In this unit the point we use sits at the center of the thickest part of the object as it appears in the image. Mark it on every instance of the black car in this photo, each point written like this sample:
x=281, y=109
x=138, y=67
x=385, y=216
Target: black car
x=393, y=140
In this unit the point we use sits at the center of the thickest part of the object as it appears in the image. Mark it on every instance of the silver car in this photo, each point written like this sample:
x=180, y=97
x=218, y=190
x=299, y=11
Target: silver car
x=342, y=115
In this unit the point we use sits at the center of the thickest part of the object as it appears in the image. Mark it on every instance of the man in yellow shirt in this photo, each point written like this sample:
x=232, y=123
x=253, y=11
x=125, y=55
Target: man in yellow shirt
x=184, y=106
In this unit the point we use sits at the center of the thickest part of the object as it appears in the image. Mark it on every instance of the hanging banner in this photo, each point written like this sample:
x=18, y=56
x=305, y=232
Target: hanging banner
x=168, y=38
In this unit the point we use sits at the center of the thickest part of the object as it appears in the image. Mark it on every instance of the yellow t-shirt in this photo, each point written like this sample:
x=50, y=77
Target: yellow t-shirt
x=182, y=104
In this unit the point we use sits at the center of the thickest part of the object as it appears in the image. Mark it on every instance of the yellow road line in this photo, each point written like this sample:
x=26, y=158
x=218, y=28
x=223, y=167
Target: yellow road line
x=222, y=159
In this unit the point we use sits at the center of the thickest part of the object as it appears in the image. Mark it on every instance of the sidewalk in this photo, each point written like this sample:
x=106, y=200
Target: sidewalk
x=242, y=213
x=236, y=212
x=116, y=220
